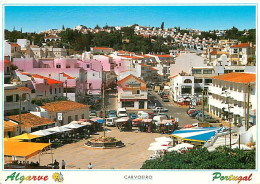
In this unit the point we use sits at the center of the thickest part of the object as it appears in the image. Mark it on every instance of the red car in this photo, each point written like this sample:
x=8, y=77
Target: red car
x=191, y=111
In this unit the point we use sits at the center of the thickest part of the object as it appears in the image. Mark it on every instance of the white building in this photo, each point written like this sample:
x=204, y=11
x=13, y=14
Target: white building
x=232, y=90
x=132, y=93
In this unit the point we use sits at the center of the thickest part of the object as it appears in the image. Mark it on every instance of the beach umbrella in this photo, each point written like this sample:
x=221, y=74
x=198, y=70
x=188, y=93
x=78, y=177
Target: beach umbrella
x=158, y=147
x=147, y=120
x=188, y=126
x=83, y=120
x=100, y=121
x=124, y=119
x=86, y=123
x=159, y=143
x=137, y=119
x=163, y=139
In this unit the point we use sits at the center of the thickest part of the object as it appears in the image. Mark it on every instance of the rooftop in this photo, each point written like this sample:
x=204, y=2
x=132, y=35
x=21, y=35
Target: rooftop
x=30, y=120
x=64, y=106
x=240, y=45
x=237, y=77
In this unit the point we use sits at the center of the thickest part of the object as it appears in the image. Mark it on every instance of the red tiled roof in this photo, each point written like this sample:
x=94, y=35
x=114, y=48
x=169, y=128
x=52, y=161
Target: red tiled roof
x=49, y=80
x=18, y=89
x=171, y=77
x=30, y=120
x=107, y=56
x=66, y=75
x=133, y=57
x=237, y=77
x=164, y=55
x=128, y=77
x=214, y=52
x=103, y=48
x=152, y=68
x=64, y=106
x=240, y=45
x=14, y=45
x=146, y=56
x=9, y=124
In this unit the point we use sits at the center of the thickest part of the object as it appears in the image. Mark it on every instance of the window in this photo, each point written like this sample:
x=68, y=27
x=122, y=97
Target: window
x=197, y=80
x=119, y=64
x=7, y=69
x=9, y=98
x=240, y=56
x=58, y=66
x=76, y=117
x=196, y=71
x=128, y=104
x=239, y=70
x=82, y=116
x=138, y=91
x=69, y=119
x=87, y=65
x=197, y=90
x=208, y=71
x=55, y=91
x=228, y=71
x=208, y=80
x=240, y=49
x=235, y=50
x=67, y=66
x=51, y=91
x=17, y=98
x=187, y=81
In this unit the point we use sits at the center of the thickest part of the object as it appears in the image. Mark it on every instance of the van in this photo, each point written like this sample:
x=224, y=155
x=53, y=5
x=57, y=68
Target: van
x=110, y=121
x=121, y=112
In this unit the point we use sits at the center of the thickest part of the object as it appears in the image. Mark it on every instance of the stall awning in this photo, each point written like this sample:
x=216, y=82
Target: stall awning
x=23, y=149
x=26, y=136
x=196, y=134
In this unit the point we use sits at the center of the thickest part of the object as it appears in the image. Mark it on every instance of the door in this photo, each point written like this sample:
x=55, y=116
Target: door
x=141, y=104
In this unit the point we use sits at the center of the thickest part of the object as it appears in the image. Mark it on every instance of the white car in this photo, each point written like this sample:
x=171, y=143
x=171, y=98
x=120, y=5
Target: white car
x=110, y=121
x=160, y=109
x=121, y=112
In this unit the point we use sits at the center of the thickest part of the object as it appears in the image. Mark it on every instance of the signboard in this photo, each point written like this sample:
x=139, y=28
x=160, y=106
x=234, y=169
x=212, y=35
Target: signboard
x=59, y=116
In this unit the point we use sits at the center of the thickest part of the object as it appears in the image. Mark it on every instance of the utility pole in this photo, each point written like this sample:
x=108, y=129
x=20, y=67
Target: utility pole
x=248, y=103
x=66, y=89
x=228, y=98
x=202, y=118
x=20, y=115
x=103, y=100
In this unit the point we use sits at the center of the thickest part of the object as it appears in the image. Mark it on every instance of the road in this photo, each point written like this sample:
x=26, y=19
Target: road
x=174, y=110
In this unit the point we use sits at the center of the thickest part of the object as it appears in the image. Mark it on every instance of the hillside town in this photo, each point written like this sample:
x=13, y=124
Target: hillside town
x=201, y=93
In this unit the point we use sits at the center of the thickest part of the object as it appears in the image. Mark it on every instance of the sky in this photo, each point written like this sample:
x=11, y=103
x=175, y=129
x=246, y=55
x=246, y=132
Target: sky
x=204, y=18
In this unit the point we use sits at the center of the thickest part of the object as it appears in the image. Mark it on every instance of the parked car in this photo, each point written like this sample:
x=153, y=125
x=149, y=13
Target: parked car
x=111, y=121
x=93, y=114
x=121, y=112
x=111, y=113
x=165, y=99
x=199, y=116
x=211, y=120
x=194, y=114
x=160, y=109
x=191, y=111
x=163, y=114
x=133, y=116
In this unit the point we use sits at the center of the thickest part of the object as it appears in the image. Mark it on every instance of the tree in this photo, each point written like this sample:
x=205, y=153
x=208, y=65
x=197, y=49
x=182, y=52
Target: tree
x=201, y=158
x=162, y=25
x=97, y=27
x=63, y=28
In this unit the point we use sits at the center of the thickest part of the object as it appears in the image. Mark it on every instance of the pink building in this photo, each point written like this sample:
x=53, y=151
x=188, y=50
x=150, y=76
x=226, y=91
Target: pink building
x=68, y=71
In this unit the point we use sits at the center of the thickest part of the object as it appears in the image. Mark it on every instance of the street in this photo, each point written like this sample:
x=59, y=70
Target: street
x=174, y=110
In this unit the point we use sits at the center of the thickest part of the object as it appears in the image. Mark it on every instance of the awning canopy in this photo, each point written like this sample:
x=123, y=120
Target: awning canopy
x=26, y=136
x=23, y=149
x=42, y=133
x=123, y=119
x=72, y=126
x=196, y=134
x=58, y=129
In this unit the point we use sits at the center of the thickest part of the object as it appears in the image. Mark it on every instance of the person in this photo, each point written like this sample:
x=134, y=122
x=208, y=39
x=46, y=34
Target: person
x=63, y=164
x=90, y=165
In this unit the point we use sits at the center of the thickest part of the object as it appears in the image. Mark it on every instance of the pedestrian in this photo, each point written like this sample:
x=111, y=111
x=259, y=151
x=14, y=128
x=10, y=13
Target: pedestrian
x=90, y=165
x=63, y=164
